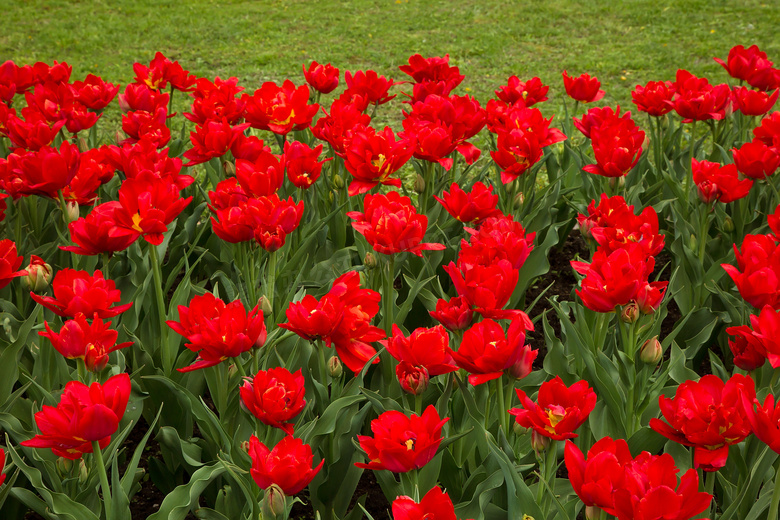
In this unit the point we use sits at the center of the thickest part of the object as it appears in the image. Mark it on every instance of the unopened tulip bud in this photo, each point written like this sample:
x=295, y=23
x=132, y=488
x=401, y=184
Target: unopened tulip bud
x=83, y=472
x=274, y=502
x=370, y=260
x=694, y=242
x=119, y=136
x=71, y=212
x=338, y=181
x=592, y=512
x=39, y=274
x=728, y=225
x=232, y=369
x=617, y=182
x=335, y=367
x=528, y=517
x=83, y=145
x=519, y=200
x=518, y=429
x=630, y=313
x=413, y=379
x=265, y=306
x=332, y=196
x=64, y=466
x=539, y=443
x=419, y=184
x=245, y=445
x=651, y=351
x=230, y=168
x=558, y=148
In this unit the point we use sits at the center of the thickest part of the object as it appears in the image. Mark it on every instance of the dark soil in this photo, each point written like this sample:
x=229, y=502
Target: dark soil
x=376, y=503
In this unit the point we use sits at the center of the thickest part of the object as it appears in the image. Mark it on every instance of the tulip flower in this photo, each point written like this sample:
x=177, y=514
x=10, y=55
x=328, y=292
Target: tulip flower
x=654, y=98
x=372, y=157
x=743, y=64
x=707, y=415
x=93, y=92
x=217, y=331
x=596, y=478
x=288, y=465
x=613, y=225
x=617, y=147
x=497, y=238
x=517, y=152
x=98, y=232
x=423, y=348
x=2, y=466
x=756, y=160
x=757, y=275
x=92, y=344
x=486, y=351
x=454, y=314
x=262, y=177
x=370, y=85
x=402, y=443
x=32, y=133
x=759, y=341
x=44, y=172
x=748, y=350
x=487, y=287
x=272, y=219
x=140, y=125
x=139, y=96
x=215, y=101
x=768, y=132
x=274, y=396
x=83, y=415
x=598, y=116
x=392, y=225
x=719, y=183
x=302, y=163
x=322, y=78
x=527, y=93
x=754, y=102
x=335, y=126
x=314, y=319
x=279, y=109
x=697, y=100
x=560, y=409
x=9, y=262
x=435, y=505
x=432, y=69
x=79, y=292
x=212, y=139
x=584, y=88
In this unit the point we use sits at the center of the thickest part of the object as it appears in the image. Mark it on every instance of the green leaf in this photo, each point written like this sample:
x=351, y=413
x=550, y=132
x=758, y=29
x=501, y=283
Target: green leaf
x=178, y=503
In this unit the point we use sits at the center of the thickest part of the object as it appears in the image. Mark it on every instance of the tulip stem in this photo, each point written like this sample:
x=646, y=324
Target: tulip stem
x=388, y=302
x=773, y=505
x=167, y=361
x=270, y=278
x=105, y=265
x=689, y=182
x=501, y=406
x=418, y=404
x=101, y=467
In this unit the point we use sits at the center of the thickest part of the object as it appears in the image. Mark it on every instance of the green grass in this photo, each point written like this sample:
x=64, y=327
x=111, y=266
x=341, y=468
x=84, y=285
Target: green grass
x=623, y=43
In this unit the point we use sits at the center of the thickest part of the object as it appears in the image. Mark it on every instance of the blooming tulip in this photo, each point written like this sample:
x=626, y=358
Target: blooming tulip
x=288, y=465
x=274, y=396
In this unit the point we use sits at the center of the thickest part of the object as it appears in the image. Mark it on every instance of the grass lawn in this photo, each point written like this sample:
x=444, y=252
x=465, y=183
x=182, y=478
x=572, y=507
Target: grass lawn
x=623, y=43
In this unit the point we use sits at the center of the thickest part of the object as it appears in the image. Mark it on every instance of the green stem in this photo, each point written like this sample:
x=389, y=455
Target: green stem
x=105, y=265
x=167, y=357
x=322, y=369
x=501, y=406
x=101, y=467
x=239, y=367
x=270, y=280
x=689, y=182
x=709, y=487
x=773, y=505
x=418, y=399
x=388, y=305
x=550, y=465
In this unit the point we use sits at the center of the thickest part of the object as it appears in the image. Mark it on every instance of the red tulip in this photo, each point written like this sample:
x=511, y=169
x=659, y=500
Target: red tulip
x=487, y=287
x=768, y=132
x=762, y=339
x=215, y=101
x=617, y=147
x=748, y=350
x=322, y=78
x=77, y=292
x=2, y=466
x=280, y=109
x=756, y=160
x=474, y=206
x=744, y=63
x=697, y=100
x=9, y=262
x=336, y=126
x=140, y=97
x=402, y=443
x=263, y=176
x=212, y=139
x=272, y=219
x=757, y=275
x=707, y=415
x=454, y=314
x=32, y=133
x=764, y=419
x=217, y=331
x=598, y=116
x=288, y=465
x=44, y=172
x=596, y=479
x=78, y=339
x=93, y=92
x=148, y=204
x=613, y=225
x=392, y=225
x=162, y=71
x=560, y=409
x=527, y=93
x=83, y=415
x=654, y=98
x=140, y=125
x=584, y=88
x=414, y=379
x=719, y=183
x=435, y=505
x=98, y=232
x=372, y=157
x=432, y=69
x=368, y=84
x=497, y=238
x=486, y=351
x=754, y=102
x=302, y=163
x=312, y=319
x=423, y=348
x=274, y=396
x=517, y=152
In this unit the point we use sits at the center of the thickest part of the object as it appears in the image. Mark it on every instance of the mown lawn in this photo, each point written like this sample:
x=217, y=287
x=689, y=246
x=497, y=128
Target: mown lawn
x=623, y=43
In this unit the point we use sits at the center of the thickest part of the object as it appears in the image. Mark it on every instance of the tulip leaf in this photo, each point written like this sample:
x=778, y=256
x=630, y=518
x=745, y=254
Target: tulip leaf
x=381, y=404
x=120, y=503
x=205, y=513
x=520, y=500
x=178, y=503
x=415, y=286
x=9, y=358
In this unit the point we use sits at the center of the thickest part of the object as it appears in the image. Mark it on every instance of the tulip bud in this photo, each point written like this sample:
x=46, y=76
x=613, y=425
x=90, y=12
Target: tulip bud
x=119, y=136
x=519, y=200
x=528, y=517
x=265, y=305
x=518, y=429
x=273, y=503
x=331, y=196
x=64, y=466
x=229, y=167
x=232, y=369
x=370, y=260
x=71, y=212
x=83, y=145
x=83, y=472
x=617, y=182
x=728, y=225
x=419, y=184
x=630, y=312
x=651, y=351
x=338, y=181
x=592, y=512
x=245, y=446
x=694, y=243
x=413, y=379
x=539, y=443
x=558, y=148
x=39, y=275
x=335, y=367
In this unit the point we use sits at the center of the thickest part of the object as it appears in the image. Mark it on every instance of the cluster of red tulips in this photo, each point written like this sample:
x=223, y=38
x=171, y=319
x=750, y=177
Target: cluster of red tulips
x=304, y=389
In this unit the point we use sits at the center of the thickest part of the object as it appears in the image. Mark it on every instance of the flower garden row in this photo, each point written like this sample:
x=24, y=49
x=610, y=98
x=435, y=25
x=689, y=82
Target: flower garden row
x=271, y=238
